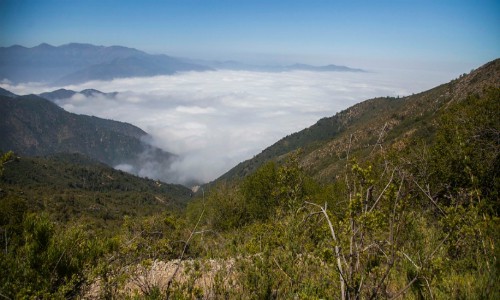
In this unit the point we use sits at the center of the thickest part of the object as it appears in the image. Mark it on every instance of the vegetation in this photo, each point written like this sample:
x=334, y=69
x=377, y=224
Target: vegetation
x=412, y=216
x=31, y=126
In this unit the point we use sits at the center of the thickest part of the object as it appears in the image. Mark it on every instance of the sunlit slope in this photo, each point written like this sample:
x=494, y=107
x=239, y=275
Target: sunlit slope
x=386, y=121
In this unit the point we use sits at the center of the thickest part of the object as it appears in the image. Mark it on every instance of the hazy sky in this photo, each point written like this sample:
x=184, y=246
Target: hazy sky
x=426, y=34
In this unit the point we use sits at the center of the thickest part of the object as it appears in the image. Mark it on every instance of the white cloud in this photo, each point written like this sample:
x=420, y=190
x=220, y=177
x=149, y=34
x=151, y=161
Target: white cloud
x=214, y=120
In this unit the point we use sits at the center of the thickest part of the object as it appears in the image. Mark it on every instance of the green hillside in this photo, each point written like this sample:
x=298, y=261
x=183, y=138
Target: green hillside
x=73, y=188
x=31, y=126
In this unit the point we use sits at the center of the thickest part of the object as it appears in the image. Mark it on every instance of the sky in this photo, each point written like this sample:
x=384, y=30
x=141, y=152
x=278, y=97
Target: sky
x=214, y=120
x=420, y=34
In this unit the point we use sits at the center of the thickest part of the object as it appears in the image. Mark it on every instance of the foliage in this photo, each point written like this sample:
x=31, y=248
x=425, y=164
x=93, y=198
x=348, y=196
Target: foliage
x=48, y=261
x=466, y=154
x=4, y=158
x=422, y=223
x=72, y=188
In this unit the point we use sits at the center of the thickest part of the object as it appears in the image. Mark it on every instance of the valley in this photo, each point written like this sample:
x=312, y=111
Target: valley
x=283, y=149
x=394, y=196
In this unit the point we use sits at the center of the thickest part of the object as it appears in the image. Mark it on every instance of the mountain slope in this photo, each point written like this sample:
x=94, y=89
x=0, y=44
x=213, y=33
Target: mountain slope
x=46, y=63
x=4, y=92
x=72, y=186
x=381, y=121
x=31, y=125
x=142, y=65
x=75, y=63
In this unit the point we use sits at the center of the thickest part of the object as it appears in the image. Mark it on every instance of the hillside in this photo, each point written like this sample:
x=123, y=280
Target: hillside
x=77, y=63
x=387, y=121
x=72, y=187
x=143, y=65
x=32, y=126
x=4, y=92
x=391, y=198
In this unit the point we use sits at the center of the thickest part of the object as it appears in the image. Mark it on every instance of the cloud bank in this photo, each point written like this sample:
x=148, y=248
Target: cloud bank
x=214, y=120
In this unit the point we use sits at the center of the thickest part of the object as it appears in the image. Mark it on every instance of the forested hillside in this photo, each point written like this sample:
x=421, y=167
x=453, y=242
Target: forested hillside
x=391, y=198
x=31, y=125
x=72, y=187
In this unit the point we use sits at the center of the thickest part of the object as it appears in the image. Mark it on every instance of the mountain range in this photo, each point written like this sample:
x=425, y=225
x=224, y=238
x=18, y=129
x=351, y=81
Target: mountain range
x=34, y=126
x=76, y=63
x=392, y=197
x=239, y=66
x=65, y=94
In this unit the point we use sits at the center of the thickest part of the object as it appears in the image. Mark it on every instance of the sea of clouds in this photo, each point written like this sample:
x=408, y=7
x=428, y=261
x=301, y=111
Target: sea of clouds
x=214, y=120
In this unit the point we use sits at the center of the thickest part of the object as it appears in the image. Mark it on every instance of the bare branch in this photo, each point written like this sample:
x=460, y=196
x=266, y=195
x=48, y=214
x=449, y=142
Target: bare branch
x=279, y=267
x=429, y=287
x=401, y=292
x=383, y=191
x=438, y=246
x=193, y=232
x=337, y=248
x=407, y=257
x=430, y=197
x=380, y=138
x=1, y=295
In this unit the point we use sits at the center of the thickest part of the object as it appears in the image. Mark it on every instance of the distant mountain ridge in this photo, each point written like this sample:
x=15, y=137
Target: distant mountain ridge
x=76, y=63
x=239, y=66
x=65, y=94
x=34, y=126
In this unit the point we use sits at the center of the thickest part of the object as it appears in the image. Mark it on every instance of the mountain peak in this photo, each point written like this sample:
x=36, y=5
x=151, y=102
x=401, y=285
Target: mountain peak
x=65, y=94
x=78, y=62
x=45, y=46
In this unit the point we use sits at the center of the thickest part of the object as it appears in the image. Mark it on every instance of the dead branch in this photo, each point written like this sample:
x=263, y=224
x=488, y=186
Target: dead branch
x=430, y=197
x=337, y=248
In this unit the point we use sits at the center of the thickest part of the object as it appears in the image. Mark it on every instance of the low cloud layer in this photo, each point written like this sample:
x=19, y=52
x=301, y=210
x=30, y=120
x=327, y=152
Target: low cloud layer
x=214, y=120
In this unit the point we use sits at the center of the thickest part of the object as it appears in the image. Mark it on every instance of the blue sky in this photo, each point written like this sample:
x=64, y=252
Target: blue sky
x=454, y=34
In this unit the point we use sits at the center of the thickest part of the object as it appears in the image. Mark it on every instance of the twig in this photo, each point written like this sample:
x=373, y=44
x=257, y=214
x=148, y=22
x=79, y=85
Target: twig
x=193, y=232
x=337, y=248
x=405, y=288
x=379, y=141
x=429, y=287
x=1, y=295
x=383, y=191
x=407, y=257
x=430, y=198
x=279, y=267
